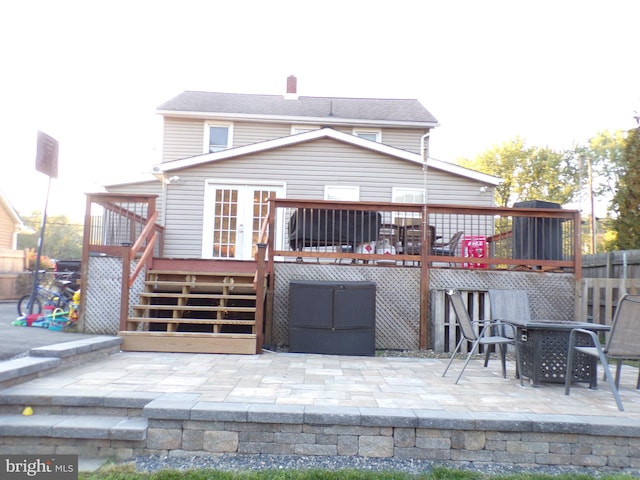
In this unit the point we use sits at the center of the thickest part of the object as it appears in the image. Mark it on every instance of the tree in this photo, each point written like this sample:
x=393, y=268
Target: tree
x=626, y=201
x=528, y=173
x=62, y=239
x=605, y=151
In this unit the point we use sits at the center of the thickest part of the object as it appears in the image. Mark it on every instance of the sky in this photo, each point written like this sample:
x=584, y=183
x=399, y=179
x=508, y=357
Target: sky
x=91, y=73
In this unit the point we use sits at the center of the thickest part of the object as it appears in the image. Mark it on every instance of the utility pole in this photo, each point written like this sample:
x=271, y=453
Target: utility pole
x=593, y=215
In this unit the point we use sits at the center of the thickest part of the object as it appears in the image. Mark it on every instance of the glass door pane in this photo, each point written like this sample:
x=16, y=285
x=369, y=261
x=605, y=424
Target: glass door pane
x=225, y=220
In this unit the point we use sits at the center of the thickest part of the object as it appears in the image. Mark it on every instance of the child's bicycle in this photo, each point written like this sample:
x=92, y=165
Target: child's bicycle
x=60, y=296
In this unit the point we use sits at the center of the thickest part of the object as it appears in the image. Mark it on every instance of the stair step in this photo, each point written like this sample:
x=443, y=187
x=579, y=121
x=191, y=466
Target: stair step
x=204, y=321
x=51, y=357
x=188, y=283
x=23, y=366
x=49, y=401
x=204, y=296
x=210, y=274
x=186, y=342
x=195, y=308
x=102, y=427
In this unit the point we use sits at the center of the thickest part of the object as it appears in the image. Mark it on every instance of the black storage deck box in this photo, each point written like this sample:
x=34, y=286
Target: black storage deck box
x=337, y=318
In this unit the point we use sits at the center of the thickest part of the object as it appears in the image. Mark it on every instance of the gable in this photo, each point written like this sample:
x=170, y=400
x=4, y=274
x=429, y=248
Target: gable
x=324, y=133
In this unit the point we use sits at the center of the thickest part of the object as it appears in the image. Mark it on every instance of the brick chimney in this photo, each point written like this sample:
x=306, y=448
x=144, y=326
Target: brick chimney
x=292, y=87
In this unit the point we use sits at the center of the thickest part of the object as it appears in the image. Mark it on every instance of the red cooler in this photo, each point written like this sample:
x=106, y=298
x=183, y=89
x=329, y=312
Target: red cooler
x=474, y=246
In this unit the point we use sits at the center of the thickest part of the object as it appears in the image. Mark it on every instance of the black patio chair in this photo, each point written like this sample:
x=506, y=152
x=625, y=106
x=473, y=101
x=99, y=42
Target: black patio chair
x=490, y=333
x=448, y=248
x=507, y=305
x=623, y=343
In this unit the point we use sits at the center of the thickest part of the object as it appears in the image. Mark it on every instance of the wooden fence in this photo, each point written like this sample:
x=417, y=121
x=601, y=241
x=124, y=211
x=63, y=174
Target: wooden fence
x=597, y=298
x=12, y=263
x=619, y=264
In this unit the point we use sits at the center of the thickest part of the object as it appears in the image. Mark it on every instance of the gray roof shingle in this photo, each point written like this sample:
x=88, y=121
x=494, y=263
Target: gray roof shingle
x=370, y=109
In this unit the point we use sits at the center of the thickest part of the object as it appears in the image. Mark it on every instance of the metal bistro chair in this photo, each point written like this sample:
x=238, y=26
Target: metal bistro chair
x=623, y=343
x=448, y=248
x=509, y=305
x=487, y=336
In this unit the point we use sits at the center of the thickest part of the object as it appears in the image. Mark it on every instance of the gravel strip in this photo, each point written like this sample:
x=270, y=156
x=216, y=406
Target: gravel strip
x=294, y=462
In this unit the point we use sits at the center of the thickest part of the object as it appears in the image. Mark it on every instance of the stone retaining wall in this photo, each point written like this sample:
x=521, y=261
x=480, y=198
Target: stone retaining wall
x=175, y=426
x=406, y=434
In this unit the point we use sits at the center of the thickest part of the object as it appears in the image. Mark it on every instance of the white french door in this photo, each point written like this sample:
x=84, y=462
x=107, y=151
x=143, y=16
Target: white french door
x=232, y=218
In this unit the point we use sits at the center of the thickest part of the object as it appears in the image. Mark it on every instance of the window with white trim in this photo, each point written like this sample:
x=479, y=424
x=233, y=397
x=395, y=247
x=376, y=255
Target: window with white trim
x=295, y=129
x=217, y=136
x=345, y=193
x=373, y=135
x=407, y=195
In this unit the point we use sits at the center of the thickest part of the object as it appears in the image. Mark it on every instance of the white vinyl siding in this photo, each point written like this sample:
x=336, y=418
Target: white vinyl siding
x=406, y=139
x=306, y=169
x=185, y=137
x=246, y=133
x=182, y=138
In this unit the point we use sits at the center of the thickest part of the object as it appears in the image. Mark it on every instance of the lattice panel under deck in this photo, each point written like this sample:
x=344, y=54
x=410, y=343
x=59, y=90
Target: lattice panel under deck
x=103, y=293
x=551, y=295
x=397, y=299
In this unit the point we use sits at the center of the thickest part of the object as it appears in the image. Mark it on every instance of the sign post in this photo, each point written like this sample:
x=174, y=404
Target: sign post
x=47, y=163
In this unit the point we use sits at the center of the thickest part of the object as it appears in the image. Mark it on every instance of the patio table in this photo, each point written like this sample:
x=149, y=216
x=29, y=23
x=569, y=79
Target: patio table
x=543, y=346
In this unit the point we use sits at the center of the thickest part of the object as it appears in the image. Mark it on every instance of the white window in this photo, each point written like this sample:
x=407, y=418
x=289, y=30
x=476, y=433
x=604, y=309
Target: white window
x=373, y=135
x=295, y=129
x=217, y=137
x=407, y=195
x=342, y=193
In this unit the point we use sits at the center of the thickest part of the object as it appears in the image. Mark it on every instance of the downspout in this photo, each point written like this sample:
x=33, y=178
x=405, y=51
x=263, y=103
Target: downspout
x=424, y=154
x=164, y=200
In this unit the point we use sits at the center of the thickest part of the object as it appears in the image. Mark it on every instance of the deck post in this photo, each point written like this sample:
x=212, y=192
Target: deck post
x=260, y=295
x=424, y=278
x=124, y=295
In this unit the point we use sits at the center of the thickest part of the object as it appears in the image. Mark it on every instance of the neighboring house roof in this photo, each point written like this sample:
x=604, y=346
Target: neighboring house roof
x=11, y=211
x=323, y=133
x=322, y=110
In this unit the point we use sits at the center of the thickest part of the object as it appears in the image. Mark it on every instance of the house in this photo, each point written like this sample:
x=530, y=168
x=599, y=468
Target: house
x=189, y=252
x=10, y=224
x=12, y=261
x=224, y=154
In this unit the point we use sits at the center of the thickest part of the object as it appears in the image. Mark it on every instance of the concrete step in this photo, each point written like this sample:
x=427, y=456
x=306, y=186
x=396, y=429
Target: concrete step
x=48, y=359
x=47, y=401
x=101, y=427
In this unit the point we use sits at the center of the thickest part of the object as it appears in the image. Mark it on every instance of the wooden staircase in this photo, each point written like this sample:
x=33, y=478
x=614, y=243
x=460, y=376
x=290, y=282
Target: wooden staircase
x=194, y=312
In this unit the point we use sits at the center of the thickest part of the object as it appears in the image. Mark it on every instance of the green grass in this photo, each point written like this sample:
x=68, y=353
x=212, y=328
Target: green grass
x=127, y=472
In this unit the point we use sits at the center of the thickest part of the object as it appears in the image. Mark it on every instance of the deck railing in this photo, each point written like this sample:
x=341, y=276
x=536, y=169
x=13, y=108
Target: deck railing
x=411, y=234
x=121, y=225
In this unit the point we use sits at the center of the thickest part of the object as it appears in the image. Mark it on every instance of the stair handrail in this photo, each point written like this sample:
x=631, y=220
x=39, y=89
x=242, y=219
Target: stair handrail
x=263, y=239
x=148, y=251
x=144, y=258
